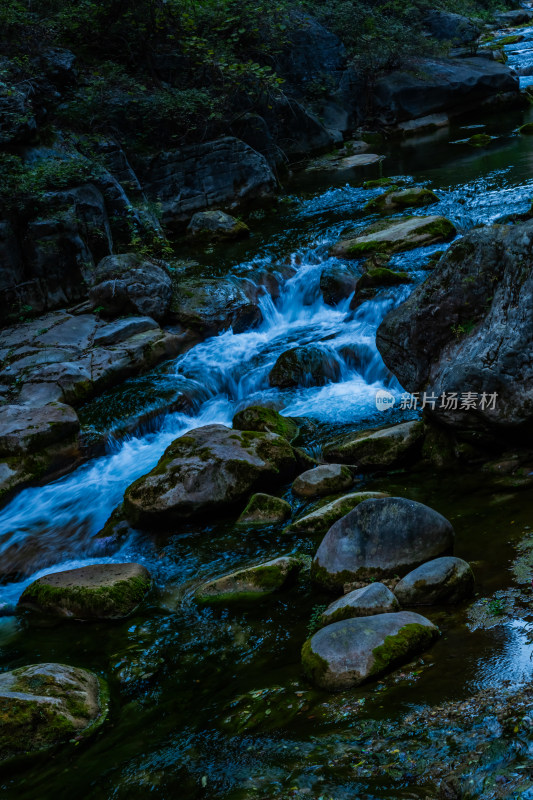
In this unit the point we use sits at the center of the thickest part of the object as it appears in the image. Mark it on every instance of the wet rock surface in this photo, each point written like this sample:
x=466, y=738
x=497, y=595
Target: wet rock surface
x=44, y=705
x=323, y=480
x=379, y=538
x=263, y=509
x=250, y=584
x=345, y=654
x=385, y=447
x=375, y=598
x=442, y=580
x=210, y=468
x=97, y=592
x=395, y=237
x=320, y=520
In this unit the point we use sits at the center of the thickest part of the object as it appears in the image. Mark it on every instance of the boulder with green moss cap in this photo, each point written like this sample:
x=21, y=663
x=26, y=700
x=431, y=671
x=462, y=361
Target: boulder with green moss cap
x=373, y=449
x=267, y=420
x=214, y=224
x=45, y=705
x=323, y=480
x=250, y=584
x=391, y=201
x=209, y=469
x=263, y=509
x=320, y=519
x=396, y=236
x=441, y=580
x=380, y=538
x=347, y=653
x=96, y=592
x=374, y=598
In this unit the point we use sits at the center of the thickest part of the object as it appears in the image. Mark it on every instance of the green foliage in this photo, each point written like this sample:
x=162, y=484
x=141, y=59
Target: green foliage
x=24, y=183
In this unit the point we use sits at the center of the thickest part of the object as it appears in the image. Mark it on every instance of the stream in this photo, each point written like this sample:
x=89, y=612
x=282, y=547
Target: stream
x=190, y=687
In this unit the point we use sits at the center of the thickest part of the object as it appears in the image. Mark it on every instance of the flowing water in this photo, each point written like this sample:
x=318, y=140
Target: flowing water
x=174, y=669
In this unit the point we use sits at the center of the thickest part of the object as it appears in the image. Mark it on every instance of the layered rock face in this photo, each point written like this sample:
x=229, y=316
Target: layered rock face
x=466, y=333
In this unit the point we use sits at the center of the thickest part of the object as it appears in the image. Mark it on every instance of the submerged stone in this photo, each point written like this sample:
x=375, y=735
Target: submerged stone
x=442, y=580
x=347, y=653
x=250, y=584
x=43, y=705
x=263, y=509
x=380, y=538
x=375, y=598
x=96, y=592
x=323, y=480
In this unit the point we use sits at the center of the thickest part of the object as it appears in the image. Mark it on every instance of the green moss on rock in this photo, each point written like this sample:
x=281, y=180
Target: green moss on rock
x=314, y=666
x=267, y=420
x=410, y=639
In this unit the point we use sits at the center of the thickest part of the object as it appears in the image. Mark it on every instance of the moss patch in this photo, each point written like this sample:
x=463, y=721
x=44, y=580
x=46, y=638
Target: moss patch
x=84, y=602
x=409, y=639
x=314, y=666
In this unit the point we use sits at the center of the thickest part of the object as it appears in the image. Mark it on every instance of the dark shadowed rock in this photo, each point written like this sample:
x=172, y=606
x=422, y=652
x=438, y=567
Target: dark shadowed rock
x=380, y=538
x=443, y=25
x=211, y=305
x=375, y=598
x=99, y=591
x=338, y=281
x=376, y=449
x=129, y=284
x=263, y=509
x=260, y=418
x=43, y=705
x=442, y=580
x=252, y=583
x=347, y=653
x=208, y=469
x=307, y=365
x=468, y=329
x=24, y=429
x=222, y=172
x=323, y=480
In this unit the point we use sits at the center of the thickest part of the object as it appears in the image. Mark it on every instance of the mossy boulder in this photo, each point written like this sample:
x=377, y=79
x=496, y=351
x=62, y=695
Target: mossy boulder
x=347, y=653
x=250, y=584
x=377, y=449
x=392, y=201
x=263, y=509
x=96, y=592
x=396, y=236
x=260, y=418
x=380, y=538
x=216, y=225
x=209, y=469
x=375, y=598
x=320, y=520
x=307, y=365
x=442, y=580
x=44, y=705
x=323, y=480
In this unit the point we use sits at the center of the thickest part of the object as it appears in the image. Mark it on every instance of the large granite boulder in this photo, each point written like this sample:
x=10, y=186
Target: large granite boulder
x=347, y=653
x=427, y=86
x=129, y=284
x=379, y=538
x=212, y=305
x=44, y=705
x=96, y=592
x=442, y=580
x=466, y=333
x=208, y=469
x=374, y=598
x=224, y=172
